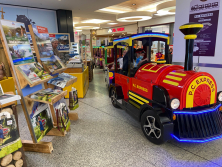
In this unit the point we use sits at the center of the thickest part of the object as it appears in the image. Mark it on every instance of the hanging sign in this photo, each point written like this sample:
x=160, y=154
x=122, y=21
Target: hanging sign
x=205, y=12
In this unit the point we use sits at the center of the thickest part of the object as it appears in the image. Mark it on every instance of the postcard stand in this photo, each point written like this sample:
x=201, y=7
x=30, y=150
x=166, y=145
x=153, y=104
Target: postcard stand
x=24, y=89
x=72, y=116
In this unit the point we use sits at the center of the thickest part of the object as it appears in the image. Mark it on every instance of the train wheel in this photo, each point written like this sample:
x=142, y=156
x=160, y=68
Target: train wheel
x=152, y=127
x=114, y=98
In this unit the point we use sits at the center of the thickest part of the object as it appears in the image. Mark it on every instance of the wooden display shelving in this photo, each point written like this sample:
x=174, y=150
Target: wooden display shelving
x=24, y=82
x=53, y=100
x=25, y=89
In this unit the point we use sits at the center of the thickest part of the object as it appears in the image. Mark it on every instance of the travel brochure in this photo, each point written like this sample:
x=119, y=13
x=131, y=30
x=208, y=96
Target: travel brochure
x=62, y=112
x=61, y=80
x=46, y=95
x=41, y=120
x=18, y=43
x=9, y=135
x=43, y=41
x=33, y=72
x=52, y=63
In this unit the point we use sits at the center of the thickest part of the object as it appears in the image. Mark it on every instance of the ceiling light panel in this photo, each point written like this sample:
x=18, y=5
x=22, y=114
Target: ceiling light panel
x=166, y=8
x=134, y=16
x=112, y=23
x=95, y=21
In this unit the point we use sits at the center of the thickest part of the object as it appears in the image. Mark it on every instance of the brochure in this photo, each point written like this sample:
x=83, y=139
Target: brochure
x=17, y=41
x=46, y=95
x=33, y=72
x=61, y=80
x=41, y=120
x=61, y=109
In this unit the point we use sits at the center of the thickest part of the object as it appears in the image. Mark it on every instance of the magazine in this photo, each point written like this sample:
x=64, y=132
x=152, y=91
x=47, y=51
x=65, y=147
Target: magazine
x=52, y=63
x=46, y=95
x=7, y=98
x=41, y=120
x=18, y=43
x=61, y=80
x=43, y=41
x=62, y=111
x=33, y=72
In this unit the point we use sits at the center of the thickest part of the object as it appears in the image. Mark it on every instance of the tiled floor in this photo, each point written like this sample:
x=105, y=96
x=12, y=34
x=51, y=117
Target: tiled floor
x=109, y=137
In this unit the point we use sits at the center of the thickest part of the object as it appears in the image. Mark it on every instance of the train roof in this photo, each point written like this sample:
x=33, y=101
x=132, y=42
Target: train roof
x=128, y=39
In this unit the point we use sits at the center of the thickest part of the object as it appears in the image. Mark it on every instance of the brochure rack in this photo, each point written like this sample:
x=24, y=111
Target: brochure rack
x=25, y=89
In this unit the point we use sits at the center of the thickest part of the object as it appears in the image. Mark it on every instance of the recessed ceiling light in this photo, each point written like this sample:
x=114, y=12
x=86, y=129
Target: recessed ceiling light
x=133, y=4
x=166, y=8
x=134, y=16
x=112, y=23
x=95, y=21
x=87, y=26
x=112, y=10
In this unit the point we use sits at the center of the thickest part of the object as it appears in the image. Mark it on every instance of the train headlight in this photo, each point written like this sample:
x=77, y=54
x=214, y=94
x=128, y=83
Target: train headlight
x=175, y=103
x=219, y=96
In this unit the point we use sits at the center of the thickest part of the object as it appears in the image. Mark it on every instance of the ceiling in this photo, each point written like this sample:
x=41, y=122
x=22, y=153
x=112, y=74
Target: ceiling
x=90, y=9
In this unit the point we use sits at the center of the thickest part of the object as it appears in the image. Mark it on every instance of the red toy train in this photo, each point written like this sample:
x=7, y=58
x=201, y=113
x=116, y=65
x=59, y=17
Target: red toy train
x=170, y=101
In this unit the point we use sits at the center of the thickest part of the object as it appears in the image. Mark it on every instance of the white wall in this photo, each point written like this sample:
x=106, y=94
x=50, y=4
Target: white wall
x=157, y=21
x=182, y=17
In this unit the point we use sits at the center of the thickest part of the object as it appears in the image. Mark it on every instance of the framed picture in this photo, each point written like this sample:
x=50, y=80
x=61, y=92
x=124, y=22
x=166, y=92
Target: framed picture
x=63, y=41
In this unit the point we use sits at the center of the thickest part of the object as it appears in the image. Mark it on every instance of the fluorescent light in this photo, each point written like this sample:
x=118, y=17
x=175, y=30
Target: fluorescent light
x=78, y=30
x=112, y=23
x=131, y=18
x=152, y=10
x=112, y=10
x=95, y=21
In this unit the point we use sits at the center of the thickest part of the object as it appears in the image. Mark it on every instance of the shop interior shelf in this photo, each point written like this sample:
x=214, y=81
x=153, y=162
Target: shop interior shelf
x=53, y=100
x=24, y=82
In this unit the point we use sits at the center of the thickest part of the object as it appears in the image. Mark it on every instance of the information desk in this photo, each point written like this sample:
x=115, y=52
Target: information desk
x=82, y=83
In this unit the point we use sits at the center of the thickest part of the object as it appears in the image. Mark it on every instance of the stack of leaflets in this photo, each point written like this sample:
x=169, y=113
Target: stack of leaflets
x=33, y=72
x=52, y=63
x=46, y=95
x=7, y=98
x=61, y=80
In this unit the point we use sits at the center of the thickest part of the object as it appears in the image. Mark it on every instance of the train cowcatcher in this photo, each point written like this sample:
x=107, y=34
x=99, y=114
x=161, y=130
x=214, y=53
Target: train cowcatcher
x=170, y=101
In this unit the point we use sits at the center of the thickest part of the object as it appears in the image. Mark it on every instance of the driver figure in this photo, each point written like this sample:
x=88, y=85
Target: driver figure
x=139, y=55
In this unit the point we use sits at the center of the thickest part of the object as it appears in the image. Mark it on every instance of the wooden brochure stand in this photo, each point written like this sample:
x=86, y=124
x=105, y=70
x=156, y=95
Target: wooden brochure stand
x=25, y=89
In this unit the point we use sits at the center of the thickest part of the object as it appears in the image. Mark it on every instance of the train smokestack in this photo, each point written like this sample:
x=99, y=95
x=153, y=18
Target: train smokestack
x=190, y=30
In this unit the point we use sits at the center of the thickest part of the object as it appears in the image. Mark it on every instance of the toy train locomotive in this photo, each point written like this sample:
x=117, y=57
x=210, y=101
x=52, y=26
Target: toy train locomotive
x=170, y=101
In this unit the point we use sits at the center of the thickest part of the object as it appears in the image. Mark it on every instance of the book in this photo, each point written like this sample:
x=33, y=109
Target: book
x=17, y=41
x=7, y=98
x=46, y=95
x=61, y=80
x=41, y=120
x=52, y=63
x=43, y=41
x=33, y=72
x=62, y=114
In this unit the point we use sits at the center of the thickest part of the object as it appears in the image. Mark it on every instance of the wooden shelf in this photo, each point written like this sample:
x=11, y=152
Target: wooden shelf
x=59, y=70
x=24, y=82
x=53, y=100
x=70, y=82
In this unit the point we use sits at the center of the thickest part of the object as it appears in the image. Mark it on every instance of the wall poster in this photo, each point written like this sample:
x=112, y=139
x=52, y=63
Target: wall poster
x=205, y=12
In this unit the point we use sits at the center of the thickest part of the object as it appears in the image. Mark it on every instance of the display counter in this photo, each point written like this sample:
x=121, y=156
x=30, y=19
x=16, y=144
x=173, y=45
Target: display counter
x=82, y=83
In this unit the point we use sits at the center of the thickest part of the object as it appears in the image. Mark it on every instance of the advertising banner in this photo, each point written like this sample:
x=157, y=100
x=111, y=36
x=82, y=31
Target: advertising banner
x=64, y=41
x=205, y=12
